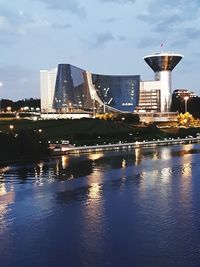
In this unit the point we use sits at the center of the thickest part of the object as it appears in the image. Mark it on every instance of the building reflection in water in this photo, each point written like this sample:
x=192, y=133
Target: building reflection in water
x=166, y=175
x=123, y=163
x=2, y=187
x=94, y=191
x=186, y=185
x=6, y=198
x=138, y=156
x=165, y=153
x=38, y=170
x=65, y=161
x=95, y=156
x=94, y=215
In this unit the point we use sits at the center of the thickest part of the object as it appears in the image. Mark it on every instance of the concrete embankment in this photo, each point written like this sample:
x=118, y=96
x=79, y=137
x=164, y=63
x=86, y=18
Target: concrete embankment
x=125, y=146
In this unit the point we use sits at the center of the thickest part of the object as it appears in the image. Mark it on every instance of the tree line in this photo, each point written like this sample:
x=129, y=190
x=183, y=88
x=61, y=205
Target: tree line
x=19, y=104
x=193, y=104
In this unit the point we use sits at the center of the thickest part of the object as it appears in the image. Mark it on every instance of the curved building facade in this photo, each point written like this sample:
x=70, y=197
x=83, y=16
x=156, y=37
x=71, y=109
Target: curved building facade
x=77, y=89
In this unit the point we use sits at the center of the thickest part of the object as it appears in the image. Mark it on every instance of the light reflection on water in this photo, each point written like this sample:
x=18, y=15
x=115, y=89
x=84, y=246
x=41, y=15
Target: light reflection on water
x=125, y=208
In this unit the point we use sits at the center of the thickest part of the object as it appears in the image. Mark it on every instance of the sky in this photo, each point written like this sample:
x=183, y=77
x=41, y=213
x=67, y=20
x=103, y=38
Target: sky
x=102, y=36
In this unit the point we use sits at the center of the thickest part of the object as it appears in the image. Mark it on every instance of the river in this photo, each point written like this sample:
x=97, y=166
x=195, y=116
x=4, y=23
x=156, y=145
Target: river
x=124, y=208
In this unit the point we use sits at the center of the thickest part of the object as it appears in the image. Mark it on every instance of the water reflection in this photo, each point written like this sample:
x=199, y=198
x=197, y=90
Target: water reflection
x=71, y=167
x=94, y=191
x=142, y=203
x=2, y=187
x=5, y=200
x=186, y=185
x=65, y=162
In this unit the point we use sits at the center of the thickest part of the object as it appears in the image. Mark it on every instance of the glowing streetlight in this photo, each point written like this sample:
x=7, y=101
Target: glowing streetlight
x=9, y=109
x=186, y=99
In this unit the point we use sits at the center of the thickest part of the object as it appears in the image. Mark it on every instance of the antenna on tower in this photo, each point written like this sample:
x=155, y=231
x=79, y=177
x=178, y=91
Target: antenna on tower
x=161, y=46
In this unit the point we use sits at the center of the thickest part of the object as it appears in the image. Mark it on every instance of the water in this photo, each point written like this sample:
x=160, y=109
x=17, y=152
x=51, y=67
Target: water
x=128, y=208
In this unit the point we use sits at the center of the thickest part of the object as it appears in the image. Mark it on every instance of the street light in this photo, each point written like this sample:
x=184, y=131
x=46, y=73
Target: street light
x=186, y=99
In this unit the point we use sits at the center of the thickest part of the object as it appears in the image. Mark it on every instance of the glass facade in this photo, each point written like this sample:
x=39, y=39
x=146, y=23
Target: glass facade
x=118, y=92
x=73, y=92
x=70, y=92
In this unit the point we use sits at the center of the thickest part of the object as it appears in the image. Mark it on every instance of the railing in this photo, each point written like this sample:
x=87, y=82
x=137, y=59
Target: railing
x=121, y=146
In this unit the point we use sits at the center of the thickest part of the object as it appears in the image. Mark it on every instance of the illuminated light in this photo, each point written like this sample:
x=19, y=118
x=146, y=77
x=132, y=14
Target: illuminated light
x=186, y=99
x=11, y=127
x=94, y=191
x=95, y=156
x=39, y=130
x=65, y=162
x=2, y=189
x=123, y=163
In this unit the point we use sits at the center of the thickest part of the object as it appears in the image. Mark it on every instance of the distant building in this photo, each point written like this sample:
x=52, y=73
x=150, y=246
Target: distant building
x=69, y=89
x=77, y=89
x=149, y=99
x=182, y=93
x=162, y=64
x=47, y=89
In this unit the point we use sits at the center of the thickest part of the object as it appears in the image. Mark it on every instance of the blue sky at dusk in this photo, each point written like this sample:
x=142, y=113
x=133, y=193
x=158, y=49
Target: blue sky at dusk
x=103, y=36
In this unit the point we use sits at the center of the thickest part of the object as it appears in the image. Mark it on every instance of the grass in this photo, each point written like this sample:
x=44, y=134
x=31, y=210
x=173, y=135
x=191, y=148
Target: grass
x=54, y=130
x=91, y=131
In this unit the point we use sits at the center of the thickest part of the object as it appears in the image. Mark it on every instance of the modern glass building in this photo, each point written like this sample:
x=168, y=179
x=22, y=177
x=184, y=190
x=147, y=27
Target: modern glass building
x=77, y=89
x=118, y=92
x=70, y=91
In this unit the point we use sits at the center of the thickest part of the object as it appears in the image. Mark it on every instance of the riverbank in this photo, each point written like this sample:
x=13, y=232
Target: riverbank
x=124, y=146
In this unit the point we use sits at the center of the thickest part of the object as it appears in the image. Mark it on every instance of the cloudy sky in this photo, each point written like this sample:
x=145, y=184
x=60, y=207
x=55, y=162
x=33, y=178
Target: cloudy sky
x=103, y=36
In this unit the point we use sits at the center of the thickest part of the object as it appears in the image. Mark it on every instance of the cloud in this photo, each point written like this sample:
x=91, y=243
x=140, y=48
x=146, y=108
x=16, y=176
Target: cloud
x=19, y=82
x=162, y=11
x=148, y=42
x=63, y=5
x=13, y=25
x=166, y=24
x=185, y=36
x=121, y=38
x=120, y=1
x=100, y=40
x=180, y=6
x=110, y=20
x=61, y=26
x=171, y=20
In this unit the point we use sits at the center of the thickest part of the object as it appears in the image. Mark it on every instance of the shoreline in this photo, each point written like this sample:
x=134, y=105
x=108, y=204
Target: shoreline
x=107, y=147
x=125, y=146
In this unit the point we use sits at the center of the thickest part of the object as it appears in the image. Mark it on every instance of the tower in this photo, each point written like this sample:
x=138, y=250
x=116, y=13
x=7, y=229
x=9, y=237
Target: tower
x=162, y=64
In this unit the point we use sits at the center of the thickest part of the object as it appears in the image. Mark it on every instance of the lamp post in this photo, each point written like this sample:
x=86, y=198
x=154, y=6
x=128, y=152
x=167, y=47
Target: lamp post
x=186, y=99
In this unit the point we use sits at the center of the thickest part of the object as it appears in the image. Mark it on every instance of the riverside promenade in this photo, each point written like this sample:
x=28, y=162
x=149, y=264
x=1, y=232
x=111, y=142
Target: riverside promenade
x=125, y=146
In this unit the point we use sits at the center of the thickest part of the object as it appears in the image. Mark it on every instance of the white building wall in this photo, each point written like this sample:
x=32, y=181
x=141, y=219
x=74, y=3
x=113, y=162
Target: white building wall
x=164, y=78
x=47, y=88
x=150, y=85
